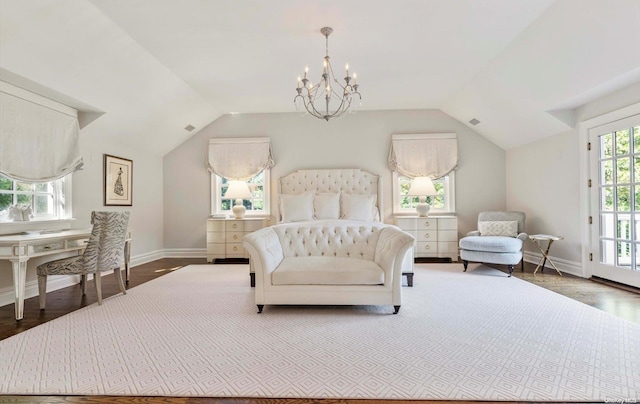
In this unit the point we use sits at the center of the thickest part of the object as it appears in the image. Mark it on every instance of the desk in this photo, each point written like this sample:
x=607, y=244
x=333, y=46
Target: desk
x=19, y=248
x=537, y=238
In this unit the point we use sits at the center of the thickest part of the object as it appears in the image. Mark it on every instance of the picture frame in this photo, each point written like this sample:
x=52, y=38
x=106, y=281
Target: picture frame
x=118, y=181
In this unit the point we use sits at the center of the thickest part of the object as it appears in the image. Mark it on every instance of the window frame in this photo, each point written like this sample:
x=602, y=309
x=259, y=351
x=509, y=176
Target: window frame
x=449, y=196
x=216, y=197
x=62, y=218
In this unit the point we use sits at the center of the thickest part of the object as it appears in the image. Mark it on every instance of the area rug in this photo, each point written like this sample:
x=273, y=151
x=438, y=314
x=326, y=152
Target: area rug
x=459, y=336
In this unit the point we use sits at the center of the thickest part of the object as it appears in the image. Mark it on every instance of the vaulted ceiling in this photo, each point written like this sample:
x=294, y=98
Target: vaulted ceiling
x=152, y=67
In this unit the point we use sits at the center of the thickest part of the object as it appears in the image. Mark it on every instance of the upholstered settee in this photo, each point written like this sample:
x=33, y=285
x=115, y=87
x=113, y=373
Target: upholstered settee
x=350, y=264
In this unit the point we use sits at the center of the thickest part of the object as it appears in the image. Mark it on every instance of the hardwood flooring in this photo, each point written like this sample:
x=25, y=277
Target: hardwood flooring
x=617, y=301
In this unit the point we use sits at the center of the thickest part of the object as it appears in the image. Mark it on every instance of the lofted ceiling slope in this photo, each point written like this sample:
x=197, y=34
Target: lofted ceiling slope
x=155, y=66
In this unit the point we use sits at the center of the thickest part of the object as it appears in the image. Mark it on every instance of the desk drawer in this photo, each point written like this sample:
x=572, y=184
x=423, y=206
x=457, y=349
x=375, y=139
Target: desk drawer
x=45, y=248
x=82, y=242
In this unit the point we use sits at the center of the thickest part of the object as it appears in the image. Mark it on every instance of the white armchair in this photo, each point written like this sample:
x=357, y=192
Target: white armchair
x=499, y=240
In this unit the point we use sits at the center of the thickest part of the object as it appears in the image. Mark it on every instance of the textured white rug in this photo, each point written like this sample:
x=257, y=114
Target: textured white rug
x=474, y=336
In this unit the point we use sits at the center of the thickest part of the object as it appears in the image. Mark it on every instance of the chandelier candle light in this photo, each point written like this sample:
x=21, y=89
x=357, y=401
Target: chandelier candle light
x=310, y=94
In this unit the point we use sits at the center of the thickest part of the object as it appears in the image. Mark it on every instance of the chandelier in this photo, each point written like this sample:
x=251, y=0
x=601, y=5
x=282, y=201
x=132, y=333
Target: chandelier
x=320, y=99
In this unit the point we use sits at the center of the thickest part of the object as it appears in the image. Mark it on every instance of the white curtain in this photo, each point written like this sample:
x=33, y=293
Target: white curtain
x=424, y=155
x=239, y=158
x=37, y=143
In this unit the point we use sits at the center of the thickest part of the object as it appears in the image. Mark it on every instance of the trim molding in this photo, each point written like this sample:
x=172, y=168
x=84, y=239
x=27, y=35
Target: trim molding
x=565, y=266
x=185, y=253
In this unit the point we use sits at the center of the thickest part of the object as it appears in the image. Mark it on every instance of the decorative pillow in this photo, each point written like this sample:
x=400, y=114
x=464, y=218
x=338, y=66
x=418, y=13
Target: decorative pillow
x=358, y=207
x=498, y=228
x=327, y=205
x=297, y=208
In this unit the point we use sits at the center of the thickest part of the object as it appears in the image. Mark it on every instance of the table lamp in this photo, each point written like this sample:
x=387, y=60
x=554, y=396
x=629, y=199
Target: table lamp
x=238, y=190
x=422, y=187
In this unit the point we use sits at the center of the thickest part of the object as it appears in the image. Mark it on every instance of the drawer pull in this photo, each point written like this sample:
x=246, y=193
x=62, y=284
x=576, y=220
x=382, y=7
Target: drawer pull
x=235, y=248
x=427, y=247
x=427, y=224
x=427, y=235
x=234, y=225
x=235, y=236
x=47, y=247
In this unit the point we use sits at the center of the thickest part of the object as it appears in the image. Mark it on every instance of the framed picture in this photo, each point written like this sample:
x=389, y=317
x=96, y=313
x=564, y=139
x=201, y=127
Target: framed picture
x=118, y=181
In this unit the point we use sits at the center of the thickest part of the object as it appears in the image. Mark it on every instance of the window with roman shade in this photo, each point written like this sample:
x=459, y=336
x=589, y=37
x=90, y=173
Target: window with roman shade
x=424, y=155
x=245, y=159
x=433, y=155
x=239, y=158
x=39, y=137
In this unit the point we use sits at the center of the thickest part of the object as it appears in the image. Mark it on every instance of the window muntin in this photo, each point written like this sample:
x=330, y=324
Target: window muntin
x=47, y=200
x=444, y=202
x=258, y=205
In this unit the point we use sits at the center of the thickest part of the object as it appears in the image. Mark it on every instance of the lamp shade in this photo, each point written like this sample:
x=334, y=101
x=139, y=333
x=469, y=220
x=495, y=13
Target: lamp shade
x=238, y=190
x=422, y=186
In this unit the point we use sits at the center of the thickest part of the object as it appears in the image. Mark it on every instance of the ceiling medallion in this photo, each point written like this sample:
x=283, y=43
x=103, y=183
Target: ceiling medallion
x=320, y=99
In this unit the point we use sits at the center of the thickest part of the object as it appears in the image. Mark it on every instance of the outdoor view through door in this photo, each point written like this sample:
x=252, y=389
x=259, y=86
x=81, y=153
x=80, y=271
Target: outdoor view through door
x=615, y=200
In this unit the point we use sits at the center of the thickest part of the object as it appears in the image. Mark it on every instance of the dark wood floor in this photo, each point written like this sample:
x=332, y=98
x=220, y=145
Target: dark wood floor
x=617, y=301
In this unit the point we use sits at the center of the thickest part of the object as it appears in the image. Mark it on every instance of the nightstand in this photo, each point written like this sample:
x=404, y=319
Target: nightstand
x=436, y=236
x=224, y=238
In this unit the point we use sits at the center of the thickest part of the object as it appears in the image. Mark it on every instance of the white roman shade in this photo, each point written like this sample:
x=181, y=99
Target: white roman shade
x=39, y=138
x=424, y=155
x=239, y=158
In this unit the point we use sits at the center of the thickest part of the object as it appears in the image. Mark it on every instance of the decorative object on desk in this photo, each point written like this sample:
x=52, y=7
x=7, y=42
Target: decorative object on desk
x=238, y=190
x=20, y=213
x=422, y=187
x=328, y=89
x=105, y=252
x=118, y=181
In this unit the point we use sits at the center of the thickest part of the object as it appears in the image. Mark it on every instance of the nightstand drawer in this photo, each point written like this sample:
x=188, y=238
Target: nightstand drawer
x=234, y=250
x=427, y=224
x=253, y=225
x=235, y=236
x=448, y=235
x=426, y=235
x=215, y=248
x=215, y=237
x=426, y=247
x=407, y=224
x=234, y=225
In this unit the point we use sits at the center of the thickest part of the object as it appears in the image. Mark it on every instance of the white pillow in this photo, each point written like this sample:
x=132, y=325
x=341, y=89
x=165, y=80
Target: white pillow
x=498, y=228
x=297, y=208
x=327, y=205
x=358, y=207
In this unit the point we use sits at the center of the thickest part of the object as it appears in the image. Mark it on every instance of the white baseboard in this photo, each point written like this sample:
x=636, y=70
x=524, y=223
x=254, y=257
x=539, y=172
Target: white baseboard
x=185, y=253
x=7, y=294
x=570, y=267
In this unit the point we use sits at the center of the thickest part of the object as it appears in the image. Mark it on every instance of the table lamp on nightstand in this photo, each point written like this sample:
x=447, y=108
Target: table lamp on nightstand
x=238, y=190
x=422, y=187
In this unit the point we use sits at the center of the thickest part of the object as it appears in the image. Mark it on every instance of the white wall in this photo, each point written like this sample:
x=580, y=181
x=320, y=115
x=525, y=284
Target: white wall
x=146, y=219
x=543, y=179
x=355, y=141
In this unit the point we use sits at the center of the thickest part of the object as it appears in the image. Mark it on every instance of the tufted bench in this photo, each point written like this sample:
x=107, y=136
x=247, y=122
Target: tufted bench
x=335, y=265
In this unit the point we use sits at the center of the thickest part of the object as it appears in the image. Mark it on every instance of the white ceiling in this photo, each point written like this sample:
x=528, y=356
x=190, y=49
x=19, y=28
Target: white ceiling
x=155, y=66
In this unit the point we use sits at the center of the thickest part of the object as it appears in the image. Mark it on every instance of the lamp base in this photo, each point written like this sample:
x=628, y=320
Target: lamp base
x=238, y=209
x=423, y=209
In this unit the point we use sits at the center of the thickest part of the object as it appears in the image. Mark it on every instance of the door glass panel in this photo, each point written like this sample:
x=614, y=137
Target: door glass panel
x=606, y=146
x=622, y=142
x=624, y=170
x=607, y=199
x=624, y=254
x=623, y=199
x=607, y=225
x=607, y=256
x=606, y=171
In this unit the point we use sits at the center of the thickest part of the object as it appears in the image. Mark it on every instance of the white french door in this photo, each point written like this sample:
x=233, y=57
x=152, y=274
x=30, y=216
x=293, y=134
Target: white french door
x=615, y=200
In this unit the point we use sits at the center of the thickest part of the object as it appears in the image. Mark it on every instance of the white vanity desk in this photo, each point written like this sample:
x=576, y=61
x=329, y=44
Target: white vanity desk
x=19, y=248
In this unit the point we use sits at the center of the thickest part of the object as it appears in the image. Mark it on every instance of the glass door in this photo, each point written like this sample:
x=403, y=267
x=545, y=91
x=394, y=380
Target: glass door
x=615, y=201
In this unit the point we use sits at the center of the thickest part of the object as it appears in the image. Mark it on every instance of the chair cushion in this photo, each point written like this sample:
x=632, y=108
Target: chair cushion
x=313, y=270
x=491, y=244
x=64, y=266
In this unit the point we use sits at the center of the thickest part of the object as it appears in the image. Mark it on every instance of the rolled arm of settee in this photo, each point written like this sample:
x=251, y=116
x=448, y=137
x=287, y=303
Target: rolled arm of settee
x=391, y=248
x=264, y=248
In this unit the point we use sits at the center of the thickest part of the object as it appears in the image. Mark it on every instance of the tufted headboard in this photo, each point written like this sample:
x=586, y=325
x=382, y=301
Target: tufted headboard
x=348, y=180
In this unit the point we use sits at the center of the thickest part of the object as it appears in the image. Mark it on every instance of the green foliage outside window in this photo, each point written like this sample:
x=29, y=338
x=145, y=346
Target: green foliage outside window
x=256, y=186
x=436, y=201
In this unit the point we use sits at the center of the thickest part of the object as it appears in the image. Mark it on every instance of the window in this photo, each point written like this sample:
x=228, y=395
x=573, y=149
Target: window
x=444, y=202
x=256, y=206
x=47, y=200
